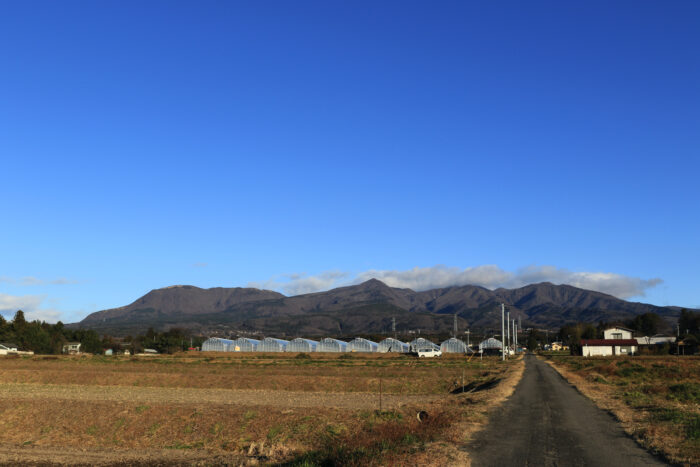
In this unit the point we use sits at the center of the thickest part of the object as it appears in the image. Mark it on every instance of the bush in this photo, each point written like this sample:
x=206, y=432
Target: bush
x=689, y=392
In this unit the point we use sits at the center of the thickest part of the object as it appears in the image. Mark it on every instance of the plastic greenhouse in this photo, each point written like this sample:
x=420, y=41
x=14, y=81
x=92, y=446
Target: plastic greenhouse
x=216, y=344
x=302, y=345
x=392, y=345
x=420, y=344
x=244, y=344
x=491, y=346
x=362, y=345
x=491, y=343
x=453, y=345
x=331, y=345
x=270, y=344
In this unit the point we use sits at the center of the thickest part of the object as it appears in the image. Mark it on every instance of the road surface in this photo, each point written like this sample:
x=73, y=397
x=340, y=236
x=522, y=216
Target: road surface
x=546, y=422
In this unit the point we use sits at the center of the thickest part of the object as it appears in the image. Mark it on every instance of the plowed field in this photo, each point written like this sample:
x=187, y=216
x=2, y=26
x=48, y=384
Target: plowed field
x=234, y=409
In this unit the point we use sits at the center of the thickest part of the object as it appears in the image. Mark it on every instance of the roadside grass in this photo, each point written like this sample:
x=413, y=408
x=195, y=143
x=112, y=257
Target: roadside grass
x=656, y=397
x=383, y=443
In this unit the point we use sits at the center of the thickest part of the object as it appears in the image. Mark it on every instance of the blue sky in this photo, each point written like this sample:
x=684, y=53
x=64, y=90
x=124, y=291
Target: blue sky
x=304, y=145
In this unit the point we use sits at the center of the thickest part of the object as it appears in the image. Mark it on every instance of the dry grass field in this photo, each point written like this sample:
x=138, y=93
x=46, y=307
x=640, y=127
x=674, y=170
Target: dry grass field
x=243, y=409
x=657, y=398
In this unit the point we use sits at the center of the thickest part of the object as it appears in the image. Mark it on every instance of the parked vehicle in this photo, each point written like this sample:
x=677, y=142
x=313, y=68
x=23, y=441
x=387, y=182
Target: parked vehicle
x=429, y=353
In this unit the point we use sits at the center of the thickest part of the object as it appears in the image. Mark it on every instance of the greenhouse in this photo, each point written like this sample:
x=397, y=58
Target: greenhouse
x=302, y=345
x=270, y=344
x=453, y=345
x=362, y=345
x=392, y=345
x=421, y=344
x=243, y=344
x=216, y=344
x=491, y=343
x=332, y=345
x=491, y=346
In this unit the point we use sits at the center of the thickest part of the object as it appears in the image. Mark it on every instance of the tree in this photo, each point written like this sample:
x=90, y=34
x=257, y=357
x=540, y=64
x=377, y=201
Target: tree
x=532, y=343
x=19, y=319
x=689, y=322
x=647, y=323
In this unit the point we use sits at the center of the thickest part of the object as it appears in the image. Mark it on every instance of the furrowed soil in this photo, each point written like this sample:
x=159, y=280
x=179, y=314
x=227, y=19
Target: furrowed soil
x=244, y=409
x=656, y=398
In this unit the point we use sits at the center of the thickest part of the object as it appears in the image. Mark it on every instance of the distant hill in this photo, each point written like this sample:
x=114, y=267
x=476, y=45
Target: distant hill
x=364, y=308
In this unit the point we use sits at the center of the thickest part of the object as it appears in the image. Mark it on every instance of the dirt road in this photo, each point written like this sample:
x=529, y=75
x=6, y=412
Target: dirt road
x=546, y=422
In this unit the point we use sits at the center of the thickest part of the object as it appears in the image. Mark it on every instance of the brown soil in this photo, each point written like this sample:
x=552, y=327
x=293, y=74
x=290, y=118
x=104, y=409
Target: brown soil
x=355, y=401
x=101, y=411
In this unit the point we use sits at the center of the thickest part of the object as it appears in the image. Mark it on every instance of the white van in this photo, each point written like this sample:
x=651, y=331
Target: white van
x=429, y=353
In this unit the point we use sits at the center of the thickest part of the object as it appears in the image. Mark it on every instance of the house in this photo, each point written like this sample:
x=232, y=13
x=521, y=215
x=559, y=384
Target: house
x=7, y=348
x=71, y=348
x=617, y=332
x=617, y=341
x=557, y=346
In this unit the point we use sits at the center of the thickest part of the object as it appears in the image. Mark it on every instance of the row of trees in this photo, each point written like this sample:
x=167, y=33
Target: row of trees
x=44, y=338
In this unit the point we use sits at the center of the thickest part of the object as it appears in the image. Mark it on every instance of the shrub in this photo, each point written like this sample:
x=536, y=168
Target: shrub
x=689, y=392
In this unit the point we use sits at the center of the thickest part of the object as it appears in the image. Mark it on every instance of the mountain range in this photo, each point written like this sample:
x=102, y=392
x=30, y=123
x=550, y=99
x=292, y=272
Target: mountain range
x=364, y=308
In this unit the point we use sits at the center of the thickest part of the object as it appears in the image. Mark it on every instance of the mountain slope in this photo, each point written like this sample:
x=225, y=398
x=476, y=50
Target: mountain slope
x=364, y=308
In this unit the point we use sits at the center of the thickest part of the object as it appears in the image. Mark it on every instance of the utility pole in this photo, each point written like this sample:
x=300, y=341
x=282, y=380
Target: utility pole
x=454, y=330
x=467, y=333
x=503, y=332
x=393, y=326
x=508, y=324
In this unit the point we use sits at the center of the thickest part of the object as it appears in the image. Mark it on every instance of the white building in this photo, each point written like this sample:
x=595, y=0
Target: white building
x=6, y=348
x=71, y=347
x=618, y=341
x=655, y=340
x=617, y=333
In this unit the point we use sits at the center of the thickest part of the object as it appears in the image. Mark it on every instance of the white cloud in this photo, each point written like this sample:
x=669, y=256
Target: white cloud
x=301, y=283
x=489, y=276
x=30, y=281
x=30, y=304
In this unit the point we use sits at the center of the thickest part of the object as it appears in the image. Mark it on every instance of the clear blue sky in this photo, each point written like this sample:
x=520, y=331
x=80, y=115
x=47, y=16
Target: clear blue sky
x=145, y=144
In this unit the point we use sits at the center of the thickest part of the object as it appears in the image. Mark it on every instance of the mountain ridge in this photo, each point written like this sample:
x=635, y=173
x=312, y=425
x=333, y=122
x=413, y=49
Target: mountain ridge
x=367, y=307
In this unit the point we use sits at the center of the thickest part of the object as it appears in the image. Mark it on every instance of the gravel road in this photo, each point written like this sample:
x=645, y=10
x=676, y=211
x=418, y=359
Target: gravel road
x=546, y=422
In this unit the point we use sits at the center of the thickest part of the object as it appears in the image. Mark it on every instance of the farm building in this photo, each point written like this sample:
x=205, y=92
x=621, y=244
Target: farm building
x=329, y=344
x=491, y=346
x=362, y=345
x=216, y=344
x=453, y=345
x=302, y=345
x=392, y=345
x=244, y=344
x=7, y=348
x=608, y=347
x=71, y=347
x=658, y=339
x=270, y=344
x=421, y=344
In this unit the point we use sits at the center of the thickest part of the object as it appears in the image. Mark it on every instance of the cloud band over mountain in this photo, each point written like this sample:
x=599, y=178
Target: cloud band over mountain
x=489, y=276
